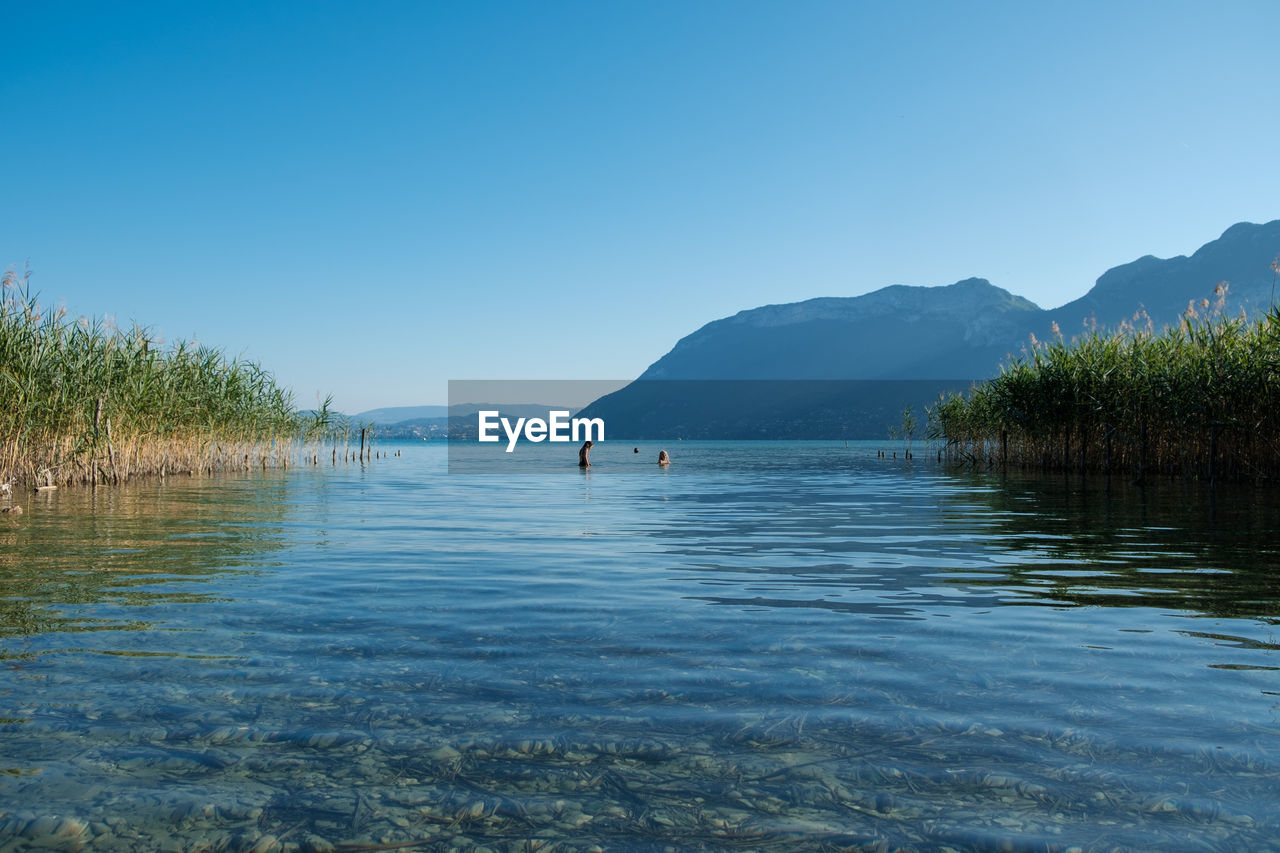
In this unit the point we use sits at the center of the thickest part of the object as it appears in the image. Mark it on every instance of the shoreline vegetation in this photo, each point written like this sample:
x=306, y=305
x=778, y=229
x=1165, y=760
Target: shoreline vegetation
x=85, y=402
x=1200, y=400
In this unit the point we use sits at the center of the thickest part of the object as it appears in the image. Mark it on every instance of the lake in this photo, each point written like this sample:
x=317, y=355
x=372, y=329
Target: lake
x=765, y=646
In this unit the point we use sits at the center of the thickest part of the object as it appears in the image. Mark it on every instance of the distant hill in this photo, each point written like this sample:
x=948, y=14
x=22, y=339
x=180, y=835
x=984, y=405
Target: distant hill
x=458, y=420
x=397, y=414
x=917, y=340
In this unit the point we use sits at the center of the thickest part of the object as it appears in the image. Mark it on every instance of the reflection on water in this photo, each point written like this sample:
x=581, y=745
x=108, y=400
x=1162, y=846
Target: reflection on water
x=1179, y=545
x=772, y=647
x=87, y=560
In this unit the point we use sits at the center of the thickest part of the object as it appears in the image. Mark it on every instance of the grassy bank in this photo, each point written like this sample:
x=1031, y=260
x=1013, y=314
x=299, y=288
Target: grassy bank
x=1200, y=400
x=85, y=402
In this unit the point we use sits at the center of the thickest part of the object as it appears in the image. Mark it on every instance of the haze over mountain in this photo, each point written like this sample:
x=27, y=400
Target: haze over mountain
x=397, y=414
x=951, y=335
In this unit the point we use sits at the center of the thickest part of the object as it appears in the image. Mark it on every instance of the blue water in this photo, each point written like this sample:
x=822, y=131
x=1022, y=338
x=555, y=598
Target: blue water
x=795, y=646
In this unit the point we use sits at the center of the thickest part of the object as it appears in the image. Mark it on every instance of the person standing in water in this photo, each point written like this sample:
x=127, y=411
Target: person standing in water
x=663, y=458
x=584, y=460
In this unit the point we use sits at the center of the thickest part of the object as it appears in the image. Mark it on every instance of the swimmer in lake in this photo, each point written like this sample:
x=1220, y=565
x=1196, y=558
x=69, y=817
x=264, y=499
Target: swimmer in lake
x=584, y=454
x=663, y=458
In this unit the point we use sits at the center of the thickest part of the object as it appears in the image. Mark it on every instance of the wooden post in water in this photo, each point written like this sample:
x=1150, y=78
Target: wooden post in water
x=361, y=444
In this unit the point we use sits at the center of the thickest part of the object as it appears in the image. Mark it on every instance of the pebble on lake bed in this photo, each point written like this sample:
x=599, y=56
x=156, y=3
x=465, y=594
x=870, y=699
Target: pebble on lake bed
x=316, y=844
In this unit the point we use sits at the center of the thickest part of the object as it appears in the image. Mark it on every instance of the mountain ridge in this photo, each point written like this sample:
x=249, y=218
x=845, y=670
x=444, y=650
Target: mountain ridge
x=902, y=334
x=1242, y=257
x=837, y=337
x=975, y=324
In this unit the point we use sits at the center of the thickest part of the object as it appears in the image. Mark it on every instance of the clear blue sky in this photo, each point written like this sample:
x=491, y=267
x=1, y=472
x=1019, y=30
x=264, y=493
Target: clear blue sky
x=371, y=198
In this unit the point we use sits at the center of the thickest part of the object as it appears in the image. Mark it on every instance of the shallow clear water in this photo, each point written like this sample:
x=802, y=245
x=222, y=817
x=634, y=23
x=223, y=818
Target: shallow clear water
x=765, y=646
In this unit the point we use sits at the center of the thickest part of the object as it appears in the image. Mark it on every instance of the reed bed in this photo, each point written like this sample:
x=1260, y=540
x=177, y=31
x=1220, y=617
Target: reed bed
x=1199, y=400
x=83, y=401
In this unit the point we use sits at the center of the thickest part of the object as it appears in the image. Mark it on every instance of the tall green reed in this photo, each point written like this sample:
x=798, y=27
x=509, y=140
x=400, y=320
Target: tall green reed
x=1201, y=399
x=84, y=401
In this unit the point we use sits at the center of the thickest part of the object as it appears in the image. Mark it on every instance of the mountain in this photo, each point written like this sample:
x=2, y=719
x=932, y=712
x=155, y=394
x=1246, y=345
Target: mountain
x=728, y=378
x=1242, y=257
x=958, y=331
x=788, y=370
x=964, y=329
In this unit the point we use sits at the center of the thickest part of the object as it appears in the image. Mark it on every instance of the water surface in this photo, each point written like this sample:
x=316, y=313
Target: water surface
x=765, y=646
